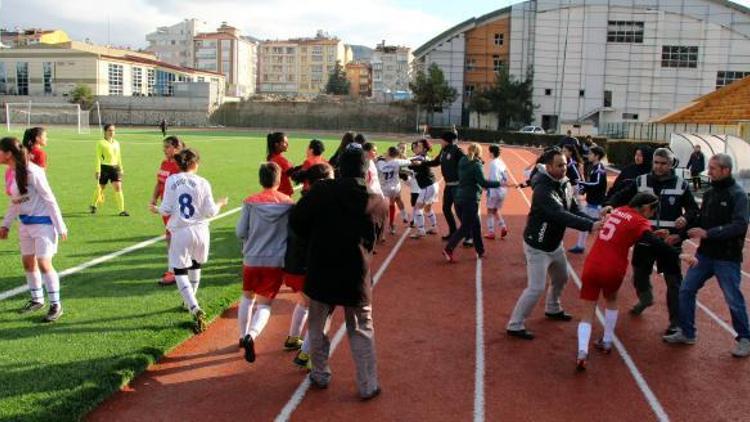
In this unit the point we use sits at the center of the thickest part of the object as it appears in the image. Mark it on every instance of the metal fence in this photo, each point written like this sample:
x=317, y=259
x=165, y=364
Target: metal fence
x=662, y=131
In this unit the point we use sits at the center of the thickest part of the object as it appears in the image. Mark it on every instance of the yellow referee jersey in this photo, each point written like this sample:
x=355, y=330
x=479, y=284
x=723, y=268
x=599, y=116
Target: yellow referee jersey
x=108, y=153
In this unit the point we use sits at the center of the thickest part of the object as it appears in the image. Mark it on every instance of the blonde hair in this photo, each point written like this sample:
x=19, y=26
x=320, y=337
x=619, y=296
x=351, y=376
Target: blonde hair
x=474, y=151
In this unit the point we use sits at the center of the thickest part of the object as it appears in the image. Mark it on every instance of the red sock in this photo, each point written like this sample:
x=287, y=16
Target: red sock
x=391, y=213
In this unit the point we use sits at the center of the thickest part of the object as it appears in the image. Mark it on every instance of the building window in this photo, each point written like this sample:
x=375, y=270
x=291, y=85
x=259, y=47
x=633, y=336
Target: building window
x=581, y=93
x=137, y=81
x=497, y=64
x=151, y=81
x=469, y=90
x=3, y=79
x=115, y=79
x=547, y=92
x=607, y=98
x=290, y=50
x=499, y=39
x=48, y=69
x=726, y=77
x=470, y=64
x=629, y=116
x=679, y=56
x=164, y=83
x=22, y=78
x=625, y=32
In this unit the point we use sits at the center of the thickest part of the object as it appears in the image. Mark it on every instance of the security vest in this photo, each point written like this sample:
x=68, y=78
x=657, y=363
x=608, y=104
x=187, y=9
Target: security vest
x=670, y=194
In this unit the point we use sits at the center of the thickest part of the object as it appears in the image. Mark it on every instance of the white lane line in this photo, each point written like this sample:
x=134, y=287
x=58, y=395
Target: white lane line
x=479, y=368
x=651, y=398
x=299, y=393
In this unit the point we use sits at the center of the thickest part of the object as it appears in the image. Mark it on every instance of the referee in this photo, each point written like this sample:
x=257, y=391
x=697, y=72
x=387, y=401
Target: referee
x=108, y=169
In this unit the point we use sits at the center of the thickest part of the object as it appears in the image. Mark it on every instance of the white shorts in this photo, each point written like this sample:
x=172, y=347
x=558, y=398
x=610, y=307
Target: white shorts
x=39, y=240
x=189, y=244
x=393, y=191
x=495, y=200
x=429, y=195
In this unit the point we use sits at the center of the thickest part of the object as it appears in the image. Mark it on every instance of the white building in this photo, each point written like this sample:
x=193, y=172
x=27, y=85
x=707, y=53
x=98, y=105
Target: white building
x=227, y=52
x=609, y=62
x=391, y=67
x=174, y=44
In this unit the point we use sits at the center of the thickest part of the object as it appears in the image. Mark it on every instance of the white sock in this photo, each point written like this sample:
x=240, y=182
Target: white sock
x=584, y=335
x=299, y=316
x=244, y=310
x=419, y=220
x=195, y=279
x=186, y=291
x=52, y=281
x=610, y=320
x=34, y=281
x=433, y=219
x=306, y=344
x=582, y=236
x=404, y=215
x=259, y=320
x=490, y=223
x=500, y=220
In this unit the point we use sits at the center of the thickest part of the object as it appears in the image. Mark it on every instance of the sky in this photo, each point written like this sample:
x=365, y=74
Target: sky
x=126, y=23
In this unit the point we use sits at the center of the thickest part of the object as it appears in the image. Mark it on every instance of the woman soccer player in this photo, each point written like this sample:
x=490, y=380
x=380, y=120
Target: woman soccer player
x=428, y=193
x=35, y=206
x=607, y=263
x=314, y=156
x=276, y=145
x=388, y=172
x=189, y=203
x=172, y=145
x=498, y=172
x=109, y=169
x=33, y=140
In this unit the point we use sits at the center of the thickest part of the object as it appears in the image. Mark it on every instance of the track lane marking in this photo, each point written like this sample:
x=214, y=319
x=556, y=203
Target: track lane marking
x=479, y=371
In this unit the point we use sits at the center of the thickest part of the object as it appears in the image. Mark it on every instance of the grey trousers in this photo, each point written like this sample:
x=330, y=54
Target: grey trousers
x=359, y=329
x=538, y=264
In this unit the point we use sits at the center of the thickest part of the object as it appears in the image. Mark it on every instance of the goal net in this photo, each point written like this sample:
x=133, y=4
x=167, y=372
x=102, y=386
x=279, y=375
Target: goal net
x=20, y=116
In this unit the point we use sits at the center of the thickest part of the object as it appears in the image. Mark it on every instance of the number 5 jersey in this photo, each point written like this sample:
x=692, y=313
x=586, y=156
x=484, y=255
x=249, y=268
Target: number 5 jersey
x=188, y=201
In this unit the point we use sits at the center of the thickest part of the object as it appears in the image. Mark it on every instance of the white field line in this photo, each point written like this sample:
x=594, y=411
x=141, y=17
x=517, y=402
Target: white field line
x=299, y=393
x=105, y=258
x=651, y=398
x=479, y=366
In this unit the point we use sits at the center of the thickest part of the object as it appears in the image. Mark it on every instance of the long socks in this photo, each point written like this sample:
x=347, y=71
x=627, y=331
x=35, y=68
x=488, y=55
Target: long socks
x=120, y=200
x=582, y=236
x=419, y=220
x=433, y=220
x=299, y=316
x=98, y=196
x=610, y=320
x=195, y=279
x=490, y=223
x=186, y=291
x=243, y=315
x=584, y=335
x=259, y=320
x=404, y=216
x=391, y=213
x=34, y=281
x=52, y=281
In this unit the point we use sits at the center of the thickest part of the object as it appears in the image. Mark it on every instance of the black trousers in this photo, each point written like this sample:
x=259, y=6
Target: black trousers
x=669, y=265
x=471, y=227
x=448, y=203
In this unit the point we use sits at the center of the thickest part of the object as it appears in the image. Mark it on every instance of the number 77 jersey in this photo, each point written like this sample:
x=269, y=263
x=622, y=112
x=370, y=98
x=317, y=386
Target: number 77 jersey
x=188, y=201
x=621, y=229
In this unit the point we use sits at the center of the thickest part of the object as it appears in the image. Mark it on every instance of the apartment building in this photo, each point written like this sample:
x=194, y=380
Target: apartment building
x=391, y=71
x=359, y=75
x=227, y=52
x=174, y=44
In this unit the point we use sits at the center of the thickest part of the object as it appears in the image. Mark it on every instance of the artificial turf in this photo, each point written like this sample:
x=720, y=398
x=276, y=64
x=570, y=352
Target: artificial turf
x=117, y=319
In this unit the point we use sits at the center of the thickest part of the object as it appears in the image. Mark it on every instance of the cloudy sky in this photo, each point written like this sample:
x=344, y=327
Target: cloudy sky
x=125, y=22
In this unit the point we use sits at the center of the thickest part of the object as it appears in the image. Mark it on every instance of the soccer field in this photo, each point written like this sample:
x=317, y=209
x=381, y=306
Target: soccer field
x=117, y=319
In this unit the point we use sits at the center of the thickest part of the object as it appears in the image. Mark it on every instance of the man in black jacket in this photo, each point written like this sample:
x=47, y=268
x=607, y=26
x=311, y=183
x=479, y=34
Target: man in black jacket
x=721, y=228
x=341, y=221
x=676, y=207
x=448, y=159
x=553, y=208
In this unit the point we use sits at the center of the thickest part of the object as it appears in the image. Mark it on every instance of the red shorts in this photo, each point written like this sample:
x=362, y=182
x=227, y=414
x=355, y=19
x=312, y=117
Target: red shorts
x=266, y=281
x=595, y=282
x=296, y=282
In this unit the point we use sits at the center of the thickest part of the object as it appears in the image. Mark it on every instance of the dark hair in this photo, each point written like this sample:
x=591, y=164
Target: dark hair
x=30, y=135
x=174, y=142
x=368, y=146
x=548, y=155
x=107, y=126
x=269, y=174
x=598, y=151
x=347, y=139
x=319, y=172
x=426, y=145
x=13, y=146
x=643, y=198
x=317, y=147
x=353, y=163
x=448, y=136
x=573, y=151
x=393, y=152
x=495, y=150
x=186, y=158
x=360, y=138
x=272, y=140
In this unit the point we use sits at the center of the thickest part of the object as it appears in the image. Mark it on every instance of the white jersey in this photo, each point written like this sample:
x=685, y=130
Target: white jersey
x=389, y=173
x=372, y=180
x=498, y=172
x=38, y=206
x=188, y=201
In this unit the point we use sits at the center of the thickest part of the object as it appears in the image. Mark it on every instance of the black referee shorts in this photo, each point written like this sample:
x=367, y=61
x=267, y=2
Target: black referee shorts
x=109, y=174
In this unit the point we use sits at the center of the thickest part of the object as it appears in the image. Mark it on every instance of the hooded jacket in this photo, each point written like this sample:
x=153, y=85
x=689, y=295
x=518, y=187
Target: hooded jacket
x=262, y=227
x=553, y=208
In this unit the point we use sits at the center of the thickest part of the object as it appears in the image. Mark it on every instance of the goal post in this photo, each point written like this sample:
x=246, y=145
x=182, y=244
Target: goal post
x=21, y=116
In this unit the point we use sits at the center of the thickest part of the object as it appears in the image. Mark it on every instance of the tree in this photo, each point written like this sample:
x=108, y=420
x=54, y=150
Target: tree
x=511, y=99
x=431, y=90
x=337, y=82
x=82, y=96
x=481, y=104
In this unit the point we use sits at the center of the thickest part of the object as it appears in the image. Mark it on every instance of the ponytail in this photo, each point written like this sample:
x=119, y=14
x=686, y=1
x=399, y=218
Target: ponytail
x=13, y=146
x=30, y=135
x=186, y=158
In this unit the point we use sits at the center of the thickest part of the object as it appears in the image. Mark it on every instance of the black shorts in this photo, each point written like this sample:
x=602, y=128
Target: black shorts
x=109, y=174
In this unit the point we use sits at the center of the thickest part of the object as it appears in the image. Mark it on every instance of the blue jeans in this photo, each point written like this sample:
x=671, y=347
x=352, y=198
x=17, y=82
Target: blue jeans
x=728, y=274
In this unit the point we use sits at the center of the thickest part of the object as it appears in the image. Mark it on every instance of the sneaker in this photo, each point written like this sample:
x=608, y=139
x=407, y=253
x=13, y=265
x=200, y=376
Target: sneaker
x=317, y=385
x=490, y=236
x=468, y=243
x=481, y=255
x=576, y=250
x=581, y=361
x=249, y=344
x=31, y=306
x=167, y=279
x=200, y=321
x=393, y=229
x=448, y=255
x=416, y=235
x=432, y=231
x=603, y=346
x=503, y=233
x=303, y=361
x=293, y=343
x=54, y=313
x=742, y=349
x=671, y=330
x=678, y=338
x=372, y=395
x=92, y=209
x=124, y=214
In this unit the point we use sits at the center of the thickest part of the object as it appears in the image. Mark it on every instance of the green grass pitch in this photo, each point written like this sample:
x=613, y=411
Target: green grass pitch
x=117, y=320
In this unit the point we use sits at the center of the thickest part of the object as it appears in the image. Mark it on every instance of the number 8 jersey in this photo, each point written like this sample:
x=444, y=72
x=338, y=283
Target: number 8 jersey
x=188, y=201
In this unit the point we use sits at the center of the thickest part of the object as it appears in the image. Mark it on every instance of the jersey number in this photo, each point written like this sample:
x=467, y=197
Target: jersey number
x=388, y=175
x=608, y=230
x=186, y=205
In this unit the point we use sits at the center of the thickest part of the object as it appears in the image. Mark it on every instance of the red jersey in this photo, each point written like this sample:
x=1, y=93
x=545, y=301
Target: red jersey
x=166, y=169
x=621, y=230
x=286, y=183
x=311, y=161
x=38, y=157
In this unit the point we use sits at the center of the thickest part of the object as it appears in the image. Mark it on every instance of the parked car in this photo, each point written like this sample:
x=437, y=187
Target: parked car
x=532, y=129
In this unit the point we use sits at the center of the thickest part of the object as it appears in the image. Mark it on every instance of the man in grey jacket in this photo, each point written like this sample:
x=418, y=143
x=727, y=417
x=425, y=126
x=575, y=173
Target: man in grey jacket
x=553, y=208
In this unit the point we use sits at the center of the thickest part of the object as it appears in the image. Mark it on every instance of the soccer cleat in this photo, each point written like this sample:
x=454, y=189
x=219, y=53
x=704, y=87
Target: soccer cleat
x=678, y=338
x=200, y=321
x=490, y=236
x=742, y=349
x=581, y=361
x=603, y=346
x=503, y=233
x=448, y=254
x=167, y=279
x=293, y=343
x=124, y=214
x=558, y=316
x=432, y=231
x=249, y=346
x=31, y=306
x=54, y=313
x=92, y=209
x=576, y=250
x=303, y=360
